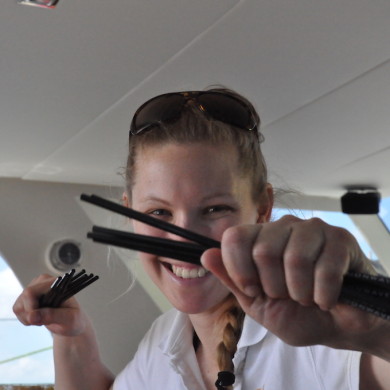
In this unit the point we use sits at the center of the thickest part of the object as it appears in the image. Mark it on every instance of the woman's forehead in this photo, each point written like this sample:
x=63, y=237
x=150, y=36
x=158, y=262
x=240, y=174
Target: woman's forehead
x=207, y=171
x=188, y=156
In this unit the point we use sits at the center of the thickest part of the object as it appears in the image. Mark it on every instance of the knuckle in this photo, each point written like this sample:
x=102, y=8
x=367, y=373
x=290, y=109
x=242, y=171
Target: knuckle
x=341, y=236
x=235, y=235
x=28, y=294
x=315, y=221
x=242, y=280
x=20, y=313
x=47, y=276
x=264, y=253
x=41, y=279
x=296, y=261
x=315, y=224
x=17, y=308
x=23, y=321
x=290, y=219
x=44, y=278
x=37, y=279
x=28, y=299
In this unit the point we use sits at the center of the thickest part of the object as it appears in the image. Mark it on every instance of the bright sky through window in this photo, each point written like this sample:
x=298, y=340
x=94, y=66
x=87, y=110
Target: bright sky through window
x=26, y=352
x=384, y=212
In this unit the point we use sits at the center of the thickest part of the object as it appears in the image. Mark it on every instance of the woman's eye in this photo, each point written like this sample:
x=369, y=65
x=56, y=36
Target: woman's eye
x=160, y=213
x=219, y=209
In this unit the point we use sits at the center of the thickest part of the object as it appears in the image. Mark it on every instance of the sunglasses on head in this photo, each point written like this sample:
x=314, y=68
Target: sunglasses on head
x=220, y=106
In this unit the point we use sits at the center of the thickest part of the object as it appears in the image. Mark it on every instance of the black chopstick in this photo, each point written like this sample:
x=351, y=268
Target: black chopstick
x=187, y=246
x=148, y=245
x=366, y=292
x=163, y=225
x=65, y=287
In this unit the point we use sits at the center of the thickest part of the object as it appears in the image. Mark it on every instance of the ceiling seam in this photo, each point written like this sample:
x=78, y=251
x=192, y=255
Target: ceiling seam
x=365, y=157
x=315, y=100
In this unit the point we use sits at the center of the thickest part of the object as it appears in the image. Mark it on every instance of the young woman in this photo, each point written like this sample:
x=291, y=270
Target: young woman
x=263, y=310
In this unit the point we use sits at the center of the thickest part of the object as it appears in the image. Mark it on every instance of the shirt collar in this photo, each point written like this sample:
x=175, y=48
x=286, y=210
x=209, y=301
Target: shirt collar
x=181, y=334
x=179, y=337
x=252, y=333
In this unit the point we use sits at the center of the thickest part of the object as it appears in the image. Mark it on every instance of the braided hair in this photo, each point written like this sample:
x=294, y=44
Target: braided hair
x=232, y=321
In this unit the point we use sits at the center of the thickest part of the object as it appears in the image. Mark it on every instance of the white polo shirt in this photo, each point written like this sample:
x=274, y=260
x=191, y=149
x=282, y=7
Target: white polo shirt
x=166, y=360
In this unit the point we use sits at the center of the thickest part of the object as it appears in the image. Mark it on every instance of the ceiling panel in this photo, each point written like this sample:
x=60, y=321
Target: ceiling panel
x=339, y=140
x=61, y=68
x=316, y=70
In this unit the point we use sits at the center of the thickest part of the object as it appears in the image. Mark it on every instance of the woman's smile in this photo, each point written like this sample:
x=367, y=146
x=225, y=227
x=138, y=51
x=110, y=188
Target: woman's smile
x=188, y=273
x=185, y=273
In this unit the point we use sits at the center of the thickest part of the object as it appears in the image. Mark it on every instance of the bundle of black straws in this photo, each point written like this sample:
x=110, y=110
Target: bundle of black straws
x=65, y=287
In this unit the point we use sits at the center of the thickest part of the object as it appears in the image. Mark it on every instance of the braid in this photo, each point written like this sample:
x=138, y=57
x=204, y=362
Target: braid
x=233, y=317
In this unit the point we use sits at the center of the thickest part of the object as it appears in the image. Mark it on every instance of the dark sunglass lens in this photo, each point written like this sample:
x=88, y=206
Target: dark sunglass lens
x=227, y=109
x=160, y=109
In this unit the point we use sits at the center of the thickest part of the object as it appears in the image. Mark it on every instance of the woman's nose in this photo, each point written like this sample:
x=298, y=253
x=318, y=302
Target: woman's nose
x=187, y=222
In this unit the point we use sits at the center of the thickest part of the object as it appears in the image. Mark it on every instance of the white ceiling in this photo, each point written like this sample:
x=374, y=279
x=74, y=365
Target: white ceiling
x=318, y=71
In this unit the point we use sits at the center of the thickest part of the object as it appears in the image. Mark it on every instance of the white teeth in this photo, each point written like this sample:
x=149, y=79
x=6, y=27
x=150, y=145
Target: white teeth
x=201, y=272
x=187, y=273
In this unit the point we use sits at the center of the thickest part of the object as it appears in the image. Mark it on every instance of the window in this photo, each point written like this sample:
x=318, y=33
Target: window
x=26, y=352
x=334, y=218
x=343, y=220
x=384, y=212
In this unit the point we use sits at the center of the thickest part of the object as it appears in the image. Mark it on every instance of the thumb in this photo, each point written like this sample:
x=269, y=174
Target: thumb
x=213, y=262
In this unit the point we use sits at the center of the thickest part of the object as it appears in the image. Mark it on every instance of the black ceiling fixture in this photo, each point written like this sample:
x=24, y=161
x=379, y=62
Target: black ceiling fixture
x=361, y=200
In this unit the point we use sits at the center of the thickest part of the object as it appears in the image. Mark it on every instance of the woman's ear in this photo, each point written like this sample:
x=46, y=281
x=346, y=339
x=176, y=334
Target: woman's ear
x=125, y=199
x=266, y=204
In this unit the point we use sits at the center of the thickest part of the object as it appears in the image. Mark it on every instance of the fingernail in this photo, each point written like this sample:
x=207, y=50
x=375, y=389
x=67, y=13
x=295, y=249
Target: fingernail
x=252, y=291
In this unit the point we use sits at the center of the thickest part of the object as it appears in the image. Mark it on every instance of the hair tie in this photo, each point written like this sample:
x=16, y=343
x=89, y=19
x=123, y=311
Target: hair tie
x=225, y=378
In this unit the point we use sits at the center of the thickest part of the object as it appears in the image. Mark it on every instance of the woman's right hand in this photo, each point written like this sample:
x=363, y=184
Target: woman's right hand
x=67, y=320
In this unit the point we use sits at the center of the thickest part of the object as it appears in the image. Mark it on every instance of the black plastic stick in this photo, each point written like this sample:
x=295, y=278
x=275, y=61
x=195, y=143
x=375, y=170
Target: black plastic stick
x=142, y=217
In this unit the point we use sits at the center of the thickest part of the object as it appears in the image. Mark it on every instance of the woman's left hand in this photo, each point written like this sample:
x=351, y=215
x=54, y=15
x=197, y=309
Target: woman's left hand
x=288, y=275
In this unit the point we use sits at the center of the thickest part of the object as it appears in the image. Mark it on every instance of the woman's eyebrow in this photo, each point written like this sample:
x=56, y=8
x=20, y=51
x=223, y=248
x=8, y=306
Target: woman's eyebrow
x=218, y=195
x=205, y=198
x=153, y=198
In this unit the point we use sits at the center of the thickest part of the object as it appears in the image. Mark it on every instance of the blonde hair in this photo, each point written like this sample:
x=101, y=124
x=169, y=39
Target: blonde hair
x=232, y=320
x=193, y=126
